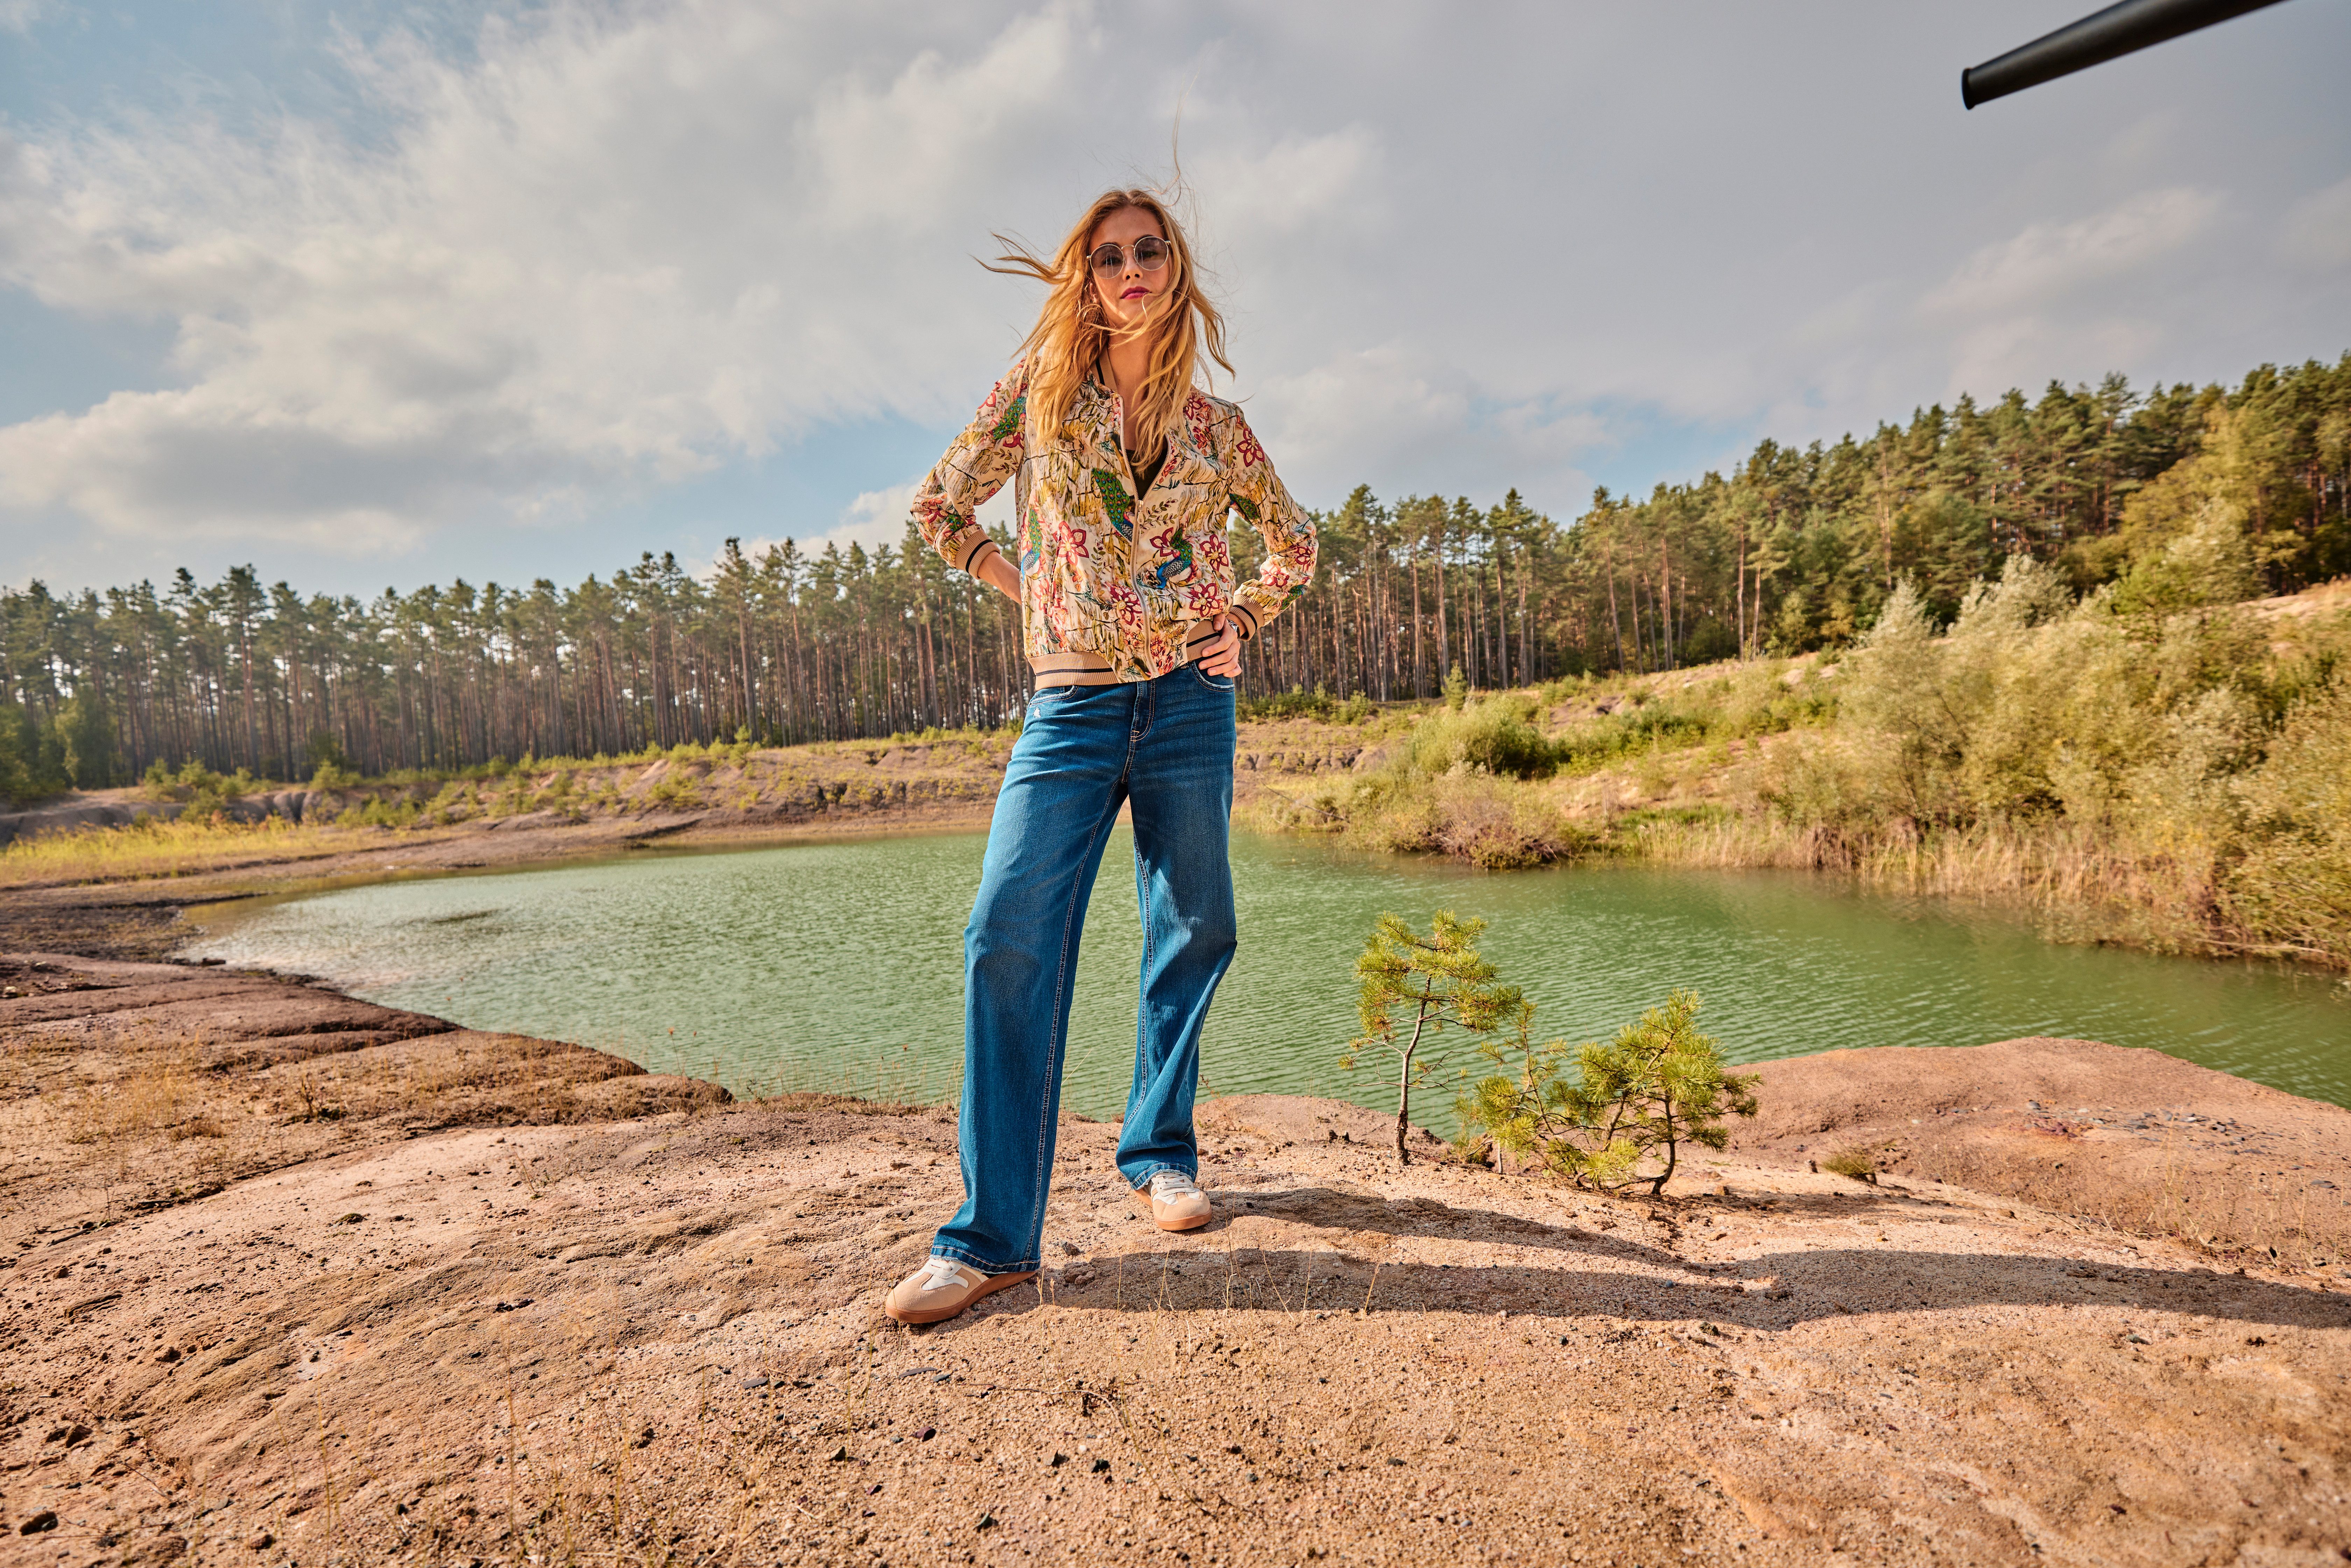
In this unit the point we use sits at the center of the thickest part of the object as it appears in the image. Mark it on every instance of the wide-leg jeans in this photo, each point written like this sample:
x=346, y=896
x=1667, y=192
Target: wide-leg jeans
x=1166, y=747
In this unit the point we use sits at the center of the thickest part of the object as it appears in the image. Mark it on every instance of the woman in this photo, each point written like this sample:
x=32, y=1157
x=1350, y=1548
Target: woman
x=1124, y=472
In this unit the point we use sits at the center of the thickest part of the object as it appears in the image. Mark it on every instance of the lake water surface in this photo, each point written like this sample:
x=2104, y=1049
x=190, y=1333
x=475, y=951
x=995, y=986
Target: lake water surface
x=838, y=966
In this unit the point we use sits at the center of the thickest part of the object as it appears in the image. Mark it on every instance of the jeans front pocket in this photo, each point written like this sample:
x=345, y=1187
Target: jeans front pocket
x=1214, y=682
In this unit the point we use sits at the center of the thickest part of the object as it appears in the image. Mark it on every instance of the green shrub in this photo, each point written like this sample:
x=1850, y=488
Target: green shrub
x=1494, y=735
x=203, y=791
x=2291, y=887
x=325, y=751
x=1704, y=708
x=1295, y=702
x=1491, y=822
x=32, y=760
x=86, y=740
x=379, y=812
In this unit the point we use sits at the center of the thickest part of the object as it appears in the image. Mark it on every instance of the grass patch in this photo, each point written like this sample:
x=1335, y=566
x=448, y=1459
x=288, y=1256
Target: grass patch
x=151, y=847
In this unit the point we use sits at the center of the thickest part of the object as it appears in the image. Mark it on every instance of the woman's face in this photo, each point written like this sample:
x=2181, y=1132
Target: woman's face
x=1130, y=295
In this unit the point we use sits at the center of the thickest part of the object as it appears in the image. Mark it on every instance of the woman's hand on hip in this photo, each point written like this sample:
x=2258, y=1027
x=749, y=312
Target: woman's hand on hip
x=1223, y=657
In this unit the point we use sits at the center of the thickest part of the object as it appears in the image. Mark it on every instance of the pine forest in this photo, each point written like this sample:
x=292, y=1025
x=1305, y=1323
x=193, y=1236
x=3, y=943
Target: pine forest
x=1792, y=550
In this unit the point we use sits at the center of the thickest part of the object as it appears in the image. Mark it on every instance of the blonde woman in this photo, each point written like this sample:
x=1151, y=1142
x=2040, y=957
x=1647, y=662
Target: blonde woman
x=1124, y=475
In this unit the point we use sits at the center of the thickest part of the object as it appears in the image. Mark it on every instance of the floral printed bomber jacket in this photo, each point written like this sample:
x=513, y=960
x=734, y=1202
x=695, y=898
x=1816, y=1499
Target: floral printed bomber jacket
x=1114, y=589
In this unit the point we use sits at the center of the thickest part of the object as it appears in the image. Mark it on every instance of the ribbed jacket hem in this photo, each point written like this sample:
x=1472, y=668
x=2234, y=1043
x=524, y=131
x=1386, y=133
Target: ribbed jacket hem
x=1093, y=670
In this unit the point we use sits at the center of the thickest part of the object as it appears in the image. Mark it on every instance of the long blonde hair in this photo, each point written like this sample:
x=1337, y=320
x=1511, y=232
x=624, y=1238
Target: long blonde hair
x=1071, y=333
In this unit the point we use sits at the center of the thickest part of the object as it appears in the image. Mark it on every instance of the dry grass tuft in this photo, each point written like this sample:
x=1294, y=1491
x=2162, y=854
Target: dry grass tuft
x=157, y=1093
x=1855, y=1162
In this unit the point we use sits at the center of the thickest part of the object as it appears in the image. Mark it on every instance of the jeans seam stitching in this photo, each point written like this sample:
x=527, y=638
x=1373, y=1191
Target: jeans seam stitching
x=1037, y=1193
x=1143, y=903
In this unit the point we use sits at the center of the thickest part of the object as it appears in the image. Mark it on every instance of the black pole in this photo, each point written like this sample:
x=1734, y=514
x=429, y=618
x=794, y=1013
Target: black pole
x=2093, y=41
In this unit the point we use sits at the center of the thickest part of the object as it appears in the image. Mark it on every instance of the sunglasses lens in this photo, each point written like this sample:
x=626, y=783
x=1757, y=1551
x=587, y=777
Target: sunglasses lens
x=1150, y=254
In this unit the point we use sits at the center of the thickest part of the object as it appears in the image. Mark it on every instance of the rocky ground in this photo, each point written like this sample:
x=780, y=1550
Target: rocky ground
x=298, y=1281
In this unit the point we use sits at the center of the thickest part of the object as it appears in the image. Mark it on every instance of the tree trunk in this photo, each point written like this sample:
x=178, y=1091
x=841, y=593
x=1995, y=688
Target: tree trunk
x=1404, y=1100
x=1673, y=1149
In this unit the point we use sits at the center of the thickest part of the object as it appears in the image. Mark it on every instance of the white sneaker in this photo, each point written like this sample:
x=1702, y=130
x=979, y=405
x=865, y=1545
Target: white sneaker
x=1176, y=1201
x=941, y=1288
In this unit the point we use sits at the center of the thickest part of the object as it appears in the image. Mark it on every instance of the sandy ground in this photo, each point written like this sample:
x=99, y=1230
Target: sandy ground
x=2143, y=1140
x=514, y=1320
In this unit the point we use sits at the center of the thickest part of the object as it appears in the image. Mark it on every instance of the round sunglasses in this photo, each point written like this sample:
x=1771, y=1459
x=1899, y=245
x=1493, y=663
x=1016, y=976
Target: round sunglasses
x=1150, y=254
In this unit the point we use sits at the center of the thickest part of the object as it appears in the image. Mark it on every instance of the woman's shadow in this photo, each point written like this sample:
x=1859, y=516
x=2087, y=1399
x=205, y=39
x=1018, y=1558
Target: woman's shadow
x=1602, y=1274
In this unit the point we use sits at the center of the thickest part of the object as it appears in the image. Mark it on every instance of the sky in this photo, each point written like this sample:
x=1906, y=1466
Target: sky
x=372, y=294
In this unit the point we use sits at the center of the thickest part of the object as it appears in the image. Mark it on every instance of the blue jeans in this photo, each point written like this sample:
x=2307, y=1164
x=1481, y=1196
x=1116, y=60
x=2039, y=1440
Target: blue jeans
x=1167, y=745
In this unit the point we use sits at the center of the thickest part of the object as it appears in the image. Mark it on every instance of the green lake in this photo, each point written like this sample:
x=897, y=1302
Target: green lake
x=840, y=966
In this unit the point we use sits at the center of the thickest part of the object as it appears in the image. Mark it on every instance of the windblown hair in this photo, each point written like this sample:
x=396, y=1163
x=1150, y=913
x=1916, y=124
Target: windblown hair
x=1072, y=331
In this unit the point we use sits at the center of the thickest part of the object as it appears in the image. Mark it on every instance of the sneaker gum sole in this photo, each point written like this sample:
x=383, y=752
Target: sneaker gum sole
x=1151, y=1211
x=986, y=1288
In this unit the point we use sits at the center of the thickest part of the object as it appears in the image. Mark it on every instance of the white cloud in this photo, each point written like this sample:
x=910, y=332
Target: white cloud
x=607, y=248
x=613, y=252
x=2317, y=234
x=606, y=256
x=2051, y=260
x=916, y=146
x=1321, y=188
x=874, y=518
x=1423, y=419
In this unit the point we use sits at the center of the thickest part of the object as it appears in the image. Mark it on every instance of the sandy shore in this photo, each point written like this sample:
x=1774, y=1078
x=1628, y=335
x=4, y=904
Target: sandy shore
x=297, y=1280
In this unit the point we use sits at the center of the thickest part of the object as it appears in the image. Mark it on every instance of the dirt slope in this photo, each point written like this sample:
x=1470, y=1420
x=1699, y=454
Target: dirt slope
x=2142, y=1139
x=660, y=1337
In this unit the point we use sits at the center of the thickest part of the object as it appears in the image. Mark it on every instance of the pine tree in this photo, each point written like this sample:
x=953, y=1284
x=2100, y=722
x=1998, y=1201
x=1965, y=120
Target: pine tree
x=1413, y=989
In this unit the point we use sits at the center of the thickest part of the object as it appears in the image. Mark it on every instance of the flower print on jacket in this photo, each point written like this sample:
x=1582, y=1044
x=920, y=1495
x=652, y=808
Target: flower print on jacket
x=1125, y=580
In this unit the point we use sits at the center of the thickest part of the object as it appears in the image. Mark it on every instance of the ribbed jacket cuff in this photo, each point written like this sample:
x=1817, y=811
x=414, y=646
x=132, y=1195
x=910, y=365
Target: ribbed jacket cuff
x=1250, y=625
x=977, y=556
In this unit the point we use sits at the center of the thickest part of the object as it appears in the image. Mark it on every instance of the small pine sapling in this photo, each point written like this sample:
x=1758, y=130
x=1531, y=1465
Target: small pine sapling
x=1659, y=1084
x=1531, y=1112
x=1413, y=989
